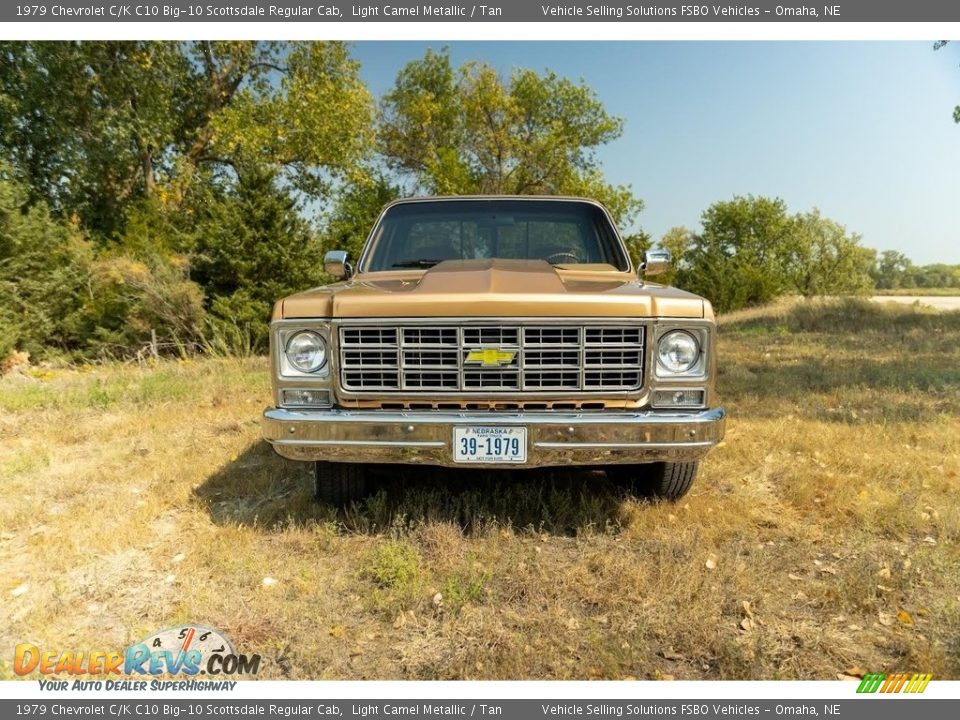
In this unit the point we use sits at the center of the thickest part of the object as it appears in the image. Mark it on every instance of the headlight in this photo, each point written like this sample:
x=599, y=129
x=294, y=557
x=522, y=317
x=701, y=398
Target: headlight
x=306, y=351
x=678, y=351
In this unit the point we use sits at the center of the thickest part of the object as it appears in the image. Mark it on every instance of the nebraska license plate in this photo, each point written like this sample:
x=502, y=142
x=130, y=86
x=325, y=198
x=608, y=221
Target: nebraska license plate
x=478, y=444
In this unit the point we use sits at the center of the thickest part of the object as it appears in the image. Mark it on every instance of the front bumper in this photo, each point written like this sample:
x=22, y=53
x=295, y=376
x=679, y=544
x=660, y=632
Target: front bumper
x=418, y=437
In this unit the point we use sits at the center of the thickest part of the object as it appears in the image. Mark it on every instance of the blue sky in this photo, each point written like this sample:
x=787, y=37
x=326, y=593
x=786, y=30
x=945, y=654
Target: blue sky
x=861, y=130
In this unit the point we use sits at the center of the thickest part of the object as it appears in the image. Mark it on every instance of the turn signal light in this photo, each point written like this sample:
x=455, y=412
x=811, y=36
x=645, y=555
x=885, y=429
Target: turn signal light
x=296, y=397
x=678, y=398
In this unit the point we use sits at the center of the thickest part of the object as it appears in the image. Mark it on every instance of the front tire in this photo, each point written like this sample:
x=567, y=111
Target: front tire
x=339, y=484
x=662, y=480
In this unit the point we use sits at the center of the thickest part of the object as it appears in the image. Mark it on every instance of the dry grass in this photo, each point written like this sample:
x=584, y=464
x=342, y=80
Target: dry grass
x=136, y=499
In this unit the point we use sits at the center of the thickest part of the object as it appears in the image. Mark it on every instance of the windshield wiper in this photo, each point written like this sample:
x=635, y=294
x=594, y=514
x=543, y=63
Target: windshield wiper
x=421, y=263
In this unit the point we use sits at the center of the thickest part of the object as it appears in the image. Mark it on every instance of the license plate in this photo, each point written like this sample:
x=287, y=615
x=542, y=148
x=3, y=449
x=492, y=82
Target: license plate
x=489, y=444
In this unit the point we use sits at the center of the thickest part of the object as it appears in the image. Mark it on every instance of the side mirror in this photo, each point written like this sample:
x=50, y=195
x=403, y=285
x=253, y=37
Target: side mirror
x=335, y=263
x=656, y=262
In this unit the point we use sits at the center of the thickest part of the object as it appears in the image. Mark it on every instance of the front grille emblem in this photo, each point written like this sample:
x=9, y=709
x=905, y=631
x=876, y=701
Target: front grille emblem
x=490, y=357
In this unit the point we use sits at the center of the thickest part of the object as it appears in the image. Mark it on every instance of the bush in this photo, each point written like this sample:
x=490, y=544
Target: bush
x=134, y=302
x=44, y=276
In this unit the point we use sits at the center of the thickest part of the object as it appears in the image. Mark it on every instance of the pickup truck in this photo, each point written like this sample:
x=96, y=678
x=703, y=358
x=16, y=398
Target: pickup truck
x=504, y=332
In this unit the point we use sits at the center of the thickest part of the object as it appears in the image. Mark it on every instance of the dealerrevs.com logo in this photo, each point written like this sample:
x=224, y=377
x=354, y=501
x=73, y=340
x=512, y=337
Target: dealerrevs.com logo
x=187, y=650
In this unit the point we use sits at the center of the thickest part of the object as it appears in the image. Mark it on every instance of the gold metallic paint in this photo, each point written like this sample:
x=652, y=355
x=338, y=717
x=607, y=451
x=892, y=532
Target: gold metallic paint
x=494, y=288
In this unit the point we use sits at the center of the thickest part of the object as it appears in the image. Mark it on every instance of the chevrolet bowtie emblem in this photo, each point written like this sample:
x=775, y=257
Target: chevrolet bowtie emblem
x=490, y=357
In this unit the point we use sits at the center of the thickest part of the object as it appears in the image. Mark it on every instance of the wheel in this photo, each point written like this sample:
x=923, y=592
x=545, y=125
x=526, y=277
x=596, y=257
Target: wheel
x=662, y=480
x=339, y=483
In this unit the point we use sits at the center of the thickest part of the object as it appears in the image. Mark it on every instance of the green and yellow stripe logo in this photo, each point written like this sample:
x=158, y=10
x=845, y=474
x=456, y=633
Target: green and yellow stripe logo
x=894, y=683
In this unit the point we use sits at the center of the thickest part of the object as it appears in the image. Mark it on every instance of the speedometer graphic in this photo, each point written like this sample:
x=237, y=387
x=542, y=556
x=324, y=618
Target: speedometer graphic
x=188, y=647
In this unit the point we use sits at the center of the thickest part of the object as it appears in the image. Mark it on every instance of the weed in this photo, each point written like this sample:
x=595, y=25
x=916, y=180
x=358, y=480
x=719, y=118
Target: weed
x=467, y=585
x=394, y=567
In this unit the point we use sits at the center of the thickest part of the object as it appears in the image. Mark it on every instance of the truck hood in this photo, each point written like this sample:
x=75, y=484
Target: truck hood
x=494, y=288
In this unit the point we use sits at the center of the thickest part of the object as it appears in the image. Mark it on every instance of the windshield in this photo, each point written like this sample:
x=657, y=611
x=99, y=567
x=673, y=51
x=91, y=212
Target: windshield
x=561, y=232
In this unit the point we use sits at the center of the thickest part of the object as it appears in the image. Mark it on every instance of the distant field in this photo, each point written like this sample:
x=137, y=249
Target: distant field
x=822, y=538
x=919, y=291
x=938, y=302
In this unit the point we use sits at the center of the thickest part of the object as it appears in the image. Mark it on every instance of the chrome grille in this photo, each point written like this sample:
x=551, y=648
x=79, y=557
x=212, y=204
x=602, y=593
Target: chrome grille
x=565, y=357
x=369, y=336
x=491, y=336
x=418, y=336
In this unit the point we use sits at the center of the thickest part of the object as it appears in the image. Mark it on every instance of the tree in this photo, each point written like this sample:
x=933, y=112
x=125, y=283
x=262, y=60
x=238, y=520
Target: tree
x=751, y=251
x=892, y=269
x=469, y=130
x=92, y=122
x=956, y=110
x=299, y=107
x=184, y=163
x=96, y=127
x=826, y=260
x=937, y=275
x=354, y=213
x=741, y=256
x=249, y=247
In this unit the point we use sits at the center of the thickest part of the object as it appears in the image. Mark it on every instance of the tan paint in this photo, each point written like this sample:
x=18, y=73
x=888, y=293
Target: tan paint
x=494, y=288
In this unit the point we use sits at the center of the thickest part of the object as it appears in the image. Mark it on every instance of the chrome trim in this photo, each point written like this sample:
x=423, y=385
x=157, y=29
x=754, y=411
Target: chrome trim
x=555, y=438
x=358, y=443
x=627, y=446
x=703, y=334
x=284, y=376
x=281, y=332
x=335, y=263
x=656, y=262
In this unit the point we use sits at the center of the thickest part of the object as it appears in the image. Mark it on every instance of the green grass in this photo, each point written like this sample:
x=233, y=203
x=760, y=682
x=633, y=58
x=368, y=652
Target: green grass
x=115, y=386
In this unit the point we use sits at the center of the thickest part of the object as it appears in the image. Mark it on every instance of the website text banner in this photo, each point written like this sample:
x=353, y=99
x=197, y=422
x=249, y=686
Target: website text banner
x=149, y=708
x=332, y=11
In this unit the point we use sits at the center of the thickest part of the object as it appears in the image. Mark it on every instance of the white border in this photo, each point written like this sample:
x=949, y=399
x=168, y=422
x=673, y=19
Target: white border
x=462, y=31
x=811, y=691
